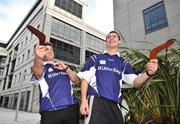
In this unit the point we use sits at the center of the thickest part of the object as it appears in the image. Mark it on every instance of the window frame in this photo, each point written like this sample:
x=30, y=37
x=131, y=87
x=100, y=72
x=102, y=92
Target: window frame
x=152, y=20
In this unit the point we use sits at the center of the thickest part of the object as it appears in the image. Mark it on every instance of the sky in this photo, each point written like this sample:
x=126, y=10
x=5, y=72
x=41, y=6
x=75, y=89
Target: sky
x=97, y=14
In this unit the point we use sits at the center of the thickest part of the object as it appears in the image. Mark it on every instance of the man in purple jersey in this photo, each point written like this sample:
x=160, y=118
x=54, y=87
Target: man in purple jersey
x=102, y=78
x=57, y=102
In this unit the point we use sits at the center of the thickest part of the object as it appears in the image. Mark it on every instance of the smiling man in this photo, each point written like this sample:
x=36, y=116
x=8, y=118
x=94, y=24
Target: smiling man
x=58, y=104
x=104, y=73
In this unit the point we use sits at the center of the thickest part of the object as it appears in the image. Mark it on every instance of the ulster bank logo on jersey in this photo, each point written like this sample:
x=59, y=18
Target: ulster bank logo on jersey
x=102, y=62
x=50, y=70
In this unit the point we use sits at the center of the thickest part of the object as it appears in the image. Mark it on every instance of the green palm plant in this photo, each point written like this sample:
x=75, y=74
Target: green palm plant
x=158, y=100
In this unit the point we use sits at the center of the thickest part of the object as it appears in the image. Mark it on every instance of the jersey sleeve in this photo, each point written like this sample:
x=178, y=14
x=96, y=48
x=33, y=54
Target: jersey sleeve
x=36, y=81
x=129, y=74
x=88, y=70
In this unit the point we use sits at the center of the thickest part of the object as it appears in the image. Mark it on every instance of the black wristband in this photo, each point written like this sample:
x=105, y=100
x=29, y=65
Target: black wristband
x=66, y=68
x=149, y=74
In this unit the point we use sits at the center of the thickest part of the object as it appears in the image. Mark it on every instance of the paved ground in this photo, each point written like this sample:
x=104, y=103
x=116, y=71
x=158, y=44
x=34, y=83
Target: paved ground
x=7, y=116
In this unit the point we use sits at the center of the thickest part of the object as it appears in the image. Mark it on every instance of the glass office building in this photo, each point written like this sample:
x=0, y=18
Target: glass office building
x=74, y=41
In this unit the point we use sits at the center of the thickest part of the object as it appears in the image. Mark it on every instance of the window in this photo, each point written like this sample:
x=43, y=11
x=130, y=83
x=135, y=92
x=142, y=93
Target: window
x=28, y=54
x=94, y=42
x=15, y=79
x=88, y=54
x=19, y=76
x=70, y=6
x=22, y=58
x=1, y=72
x=38, y=26
x=155, y=17
x=24, y=75
x=66, y=52
x=34, y=49
x=18, y=60
x=66, y=31
x=27, y=38
x=10, y=81
x=2, y=60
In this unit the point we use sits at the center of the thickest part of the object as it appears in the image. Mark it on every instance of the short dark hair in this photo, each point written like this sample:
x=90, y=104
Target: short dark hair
x=48, y=44
x=114, y=32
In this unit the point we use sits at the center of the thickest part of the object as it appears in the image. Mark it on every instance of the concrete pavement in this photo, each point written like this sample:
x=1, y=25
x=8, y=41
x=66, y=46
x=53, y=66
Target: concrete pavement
x=7, y=116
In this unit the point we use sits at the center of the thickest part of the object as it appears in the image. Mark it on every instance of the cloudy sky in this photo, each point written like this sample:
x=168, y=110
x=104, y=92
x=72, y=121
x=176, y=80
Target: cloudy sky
x=98, y=13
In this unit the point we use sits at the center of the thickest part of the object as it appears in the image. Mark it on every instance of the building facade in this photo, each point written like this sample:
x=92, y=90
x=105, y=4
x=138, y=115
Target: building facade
x=146, y=23
x=3, y=55
x=74, y=41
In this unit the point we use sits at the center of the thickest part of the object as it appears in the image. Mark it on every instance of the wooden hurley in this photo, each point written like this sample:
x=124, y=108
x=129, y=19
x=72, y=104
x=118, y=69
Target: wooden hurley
x=156, y=50
x=41, y=36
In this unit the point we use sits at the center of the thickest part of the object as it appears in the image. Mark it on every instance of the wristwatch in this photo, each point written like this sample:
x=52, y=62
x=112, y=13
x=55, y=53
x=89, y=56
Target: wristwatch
x=149, y=74
x=66, y=68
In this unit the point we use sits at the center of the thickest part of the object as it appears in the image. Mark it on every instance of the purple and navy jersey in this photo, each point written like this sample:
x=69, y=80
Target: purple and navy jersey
x=105, y=74
x=56, y=91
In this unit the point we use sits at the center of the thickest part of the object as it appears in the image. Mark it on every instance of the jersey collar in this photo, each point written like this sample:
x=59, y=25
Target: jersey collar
x=115, y=54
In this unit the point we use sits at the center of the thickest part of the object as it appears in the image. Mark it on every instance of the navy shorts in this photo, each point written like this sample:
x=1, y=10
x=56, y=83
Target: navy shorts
x=104, y=111
x=68, y=115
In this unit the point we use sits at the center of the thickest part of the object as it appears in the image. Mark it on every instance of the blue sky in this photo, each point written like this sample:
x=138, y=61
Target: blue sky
x=98, y=13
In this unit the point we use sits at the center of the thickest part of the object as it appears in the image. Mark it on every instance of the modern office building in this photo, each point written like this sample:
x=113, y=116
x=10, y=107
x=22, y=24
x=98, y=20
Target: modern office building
x=3, y=55
x=147, y=23
x=144, y=24
x=63, y=23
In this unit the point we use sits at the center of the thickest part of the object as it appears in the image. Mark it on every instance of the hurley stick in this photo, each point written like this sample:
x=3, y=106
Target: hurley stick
x=154, y=52
x=41, y=36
